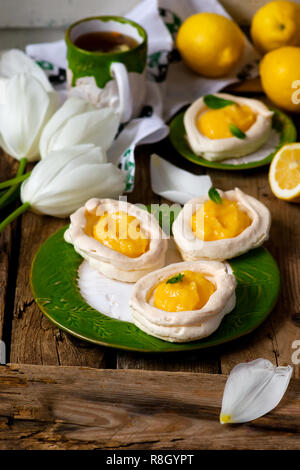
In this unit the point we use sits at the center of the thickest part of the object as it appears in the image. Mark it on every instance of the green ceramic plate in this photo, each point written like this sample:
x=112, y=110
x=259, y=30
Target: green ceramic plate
x=54, y=286
x=281, y=123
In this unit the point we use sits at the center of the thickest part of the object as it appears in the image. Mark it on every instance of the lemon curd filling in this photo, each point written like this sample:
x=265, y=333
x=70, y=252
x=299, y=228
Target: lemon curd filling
x=218, y=221
x=120, y=232
x=215, y=123
x=190, y=292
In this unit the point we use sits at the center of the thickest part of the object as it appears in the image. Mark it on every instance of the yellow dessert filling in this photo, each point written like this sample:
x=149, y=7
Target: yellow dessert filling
x=287, y=172
x=188, y=290
x=218, y=221
x=121, y=232
x=215, y=123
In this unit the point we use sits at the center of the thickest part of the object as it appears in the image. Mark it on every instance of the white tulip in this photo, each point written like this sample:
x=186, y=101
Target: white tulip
x=25, y=108
x=64, y=180
x=79, y=122
x=252, y=390
x=15, y=61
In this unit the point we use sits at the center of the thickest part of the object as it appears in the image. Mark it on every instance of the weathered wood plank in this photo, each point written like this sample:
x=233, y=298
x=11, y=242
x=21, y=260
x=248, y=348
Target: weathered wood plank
x=8, y=257
x=34, y=339
x=142, y=192
x=43, y=407
x=197, y=361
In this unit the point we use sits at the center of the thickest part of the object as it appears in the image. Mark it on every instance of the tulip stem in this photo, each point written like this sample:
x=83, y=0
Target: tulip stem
x=20, y=210
x=22, y=166
x=14, y=181
x=8, y=196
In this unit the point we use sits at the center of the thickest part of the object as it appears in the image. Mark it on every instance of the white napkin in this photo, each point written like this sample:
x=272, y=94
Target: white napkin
x=170, y=83
x=175, y=184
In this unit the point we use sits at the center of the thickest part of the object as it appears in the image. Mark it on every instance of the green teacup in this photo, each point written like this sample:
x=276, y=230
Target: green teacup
x=114, y=79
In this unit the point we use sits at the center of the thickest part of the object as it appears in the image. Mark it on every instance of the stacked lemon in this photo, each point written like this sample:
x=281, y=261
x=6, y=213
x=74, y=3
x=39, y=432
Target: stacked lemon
x=280, y=77
x=276, y=24
x=275, y=30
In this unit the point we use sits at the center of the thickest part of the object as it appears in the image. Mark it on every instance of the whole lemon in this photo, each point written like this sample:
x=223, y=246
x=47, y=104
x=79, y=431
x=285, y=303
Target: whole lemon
x=280, y=77
x=275, y=25
x=210, y=44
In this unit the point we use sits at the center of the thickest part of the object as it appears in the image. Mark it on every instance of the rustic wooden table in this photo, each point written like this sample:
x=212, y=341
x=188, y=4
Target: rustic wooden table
x=119, y=404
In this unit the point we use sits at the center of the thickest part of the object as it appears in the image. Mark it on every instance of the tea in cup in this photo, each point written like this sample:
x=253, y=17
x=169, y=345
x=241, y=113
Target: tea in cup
x=107, y=58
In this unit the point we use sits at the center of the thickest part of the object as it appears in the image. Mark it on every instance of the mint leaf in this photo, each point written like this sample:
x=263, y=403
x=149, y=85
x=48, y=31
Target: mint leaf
x=237, y=132
x=214, y=102
x=214, y=195
x=174, y=279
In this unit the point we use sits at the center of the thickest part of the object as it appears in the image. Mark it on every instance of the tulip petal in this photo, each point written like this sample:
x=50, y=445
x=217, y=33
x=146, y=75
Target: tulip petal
x=175, y=184
x=104, y=182
x=64, y=180
x=78, y=122
x=14, y=61
x=45, y=172
x=26, y=109
x=98, y=127
x=252, y=390
x=53, y=129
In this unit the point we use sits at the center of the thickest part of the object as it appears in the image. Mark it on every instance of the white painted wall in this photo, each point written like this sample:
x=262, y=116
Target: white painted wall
x=56, y=13
x=59, y=13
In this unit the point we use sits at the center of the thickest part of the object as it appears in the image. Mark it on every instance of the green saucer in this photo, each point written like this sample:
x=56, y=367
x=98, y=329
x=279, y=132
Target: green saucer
x=281, y=123
x=54, y=286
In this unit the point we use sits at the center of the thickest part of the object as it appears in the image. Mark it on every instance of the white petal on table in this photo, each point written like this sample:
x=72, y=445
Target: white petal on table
x=252, y=390
x=177, y=185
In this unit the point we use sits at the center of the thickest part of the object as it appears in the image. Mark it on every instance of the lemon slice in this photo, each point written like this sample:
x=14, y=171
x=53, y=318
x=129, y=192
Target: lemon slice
x=284, y=174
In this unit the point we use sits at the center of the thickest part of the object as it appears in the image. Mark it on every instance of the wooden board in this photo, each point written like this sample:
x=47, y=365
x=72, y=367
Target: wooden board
x=79, y=408
x=32, y=339
x=8, y=255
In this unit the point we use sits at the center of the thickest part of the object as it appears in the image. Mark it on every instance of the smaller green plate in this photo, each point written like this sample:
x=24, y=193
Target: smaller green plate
x=54, y=286
x=281, y=123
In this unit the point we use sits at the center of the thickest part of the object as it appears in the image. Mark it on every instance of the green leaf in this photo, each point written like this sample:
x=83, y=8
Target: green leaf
x=175, y=279
x=214, y=102
x=237, y=132
x=214, y=195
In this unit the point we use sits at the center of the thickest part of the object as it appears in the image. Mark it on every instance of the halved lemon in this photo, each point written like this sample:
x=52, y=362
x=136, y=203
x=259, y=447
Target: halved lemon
x=284, y=174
